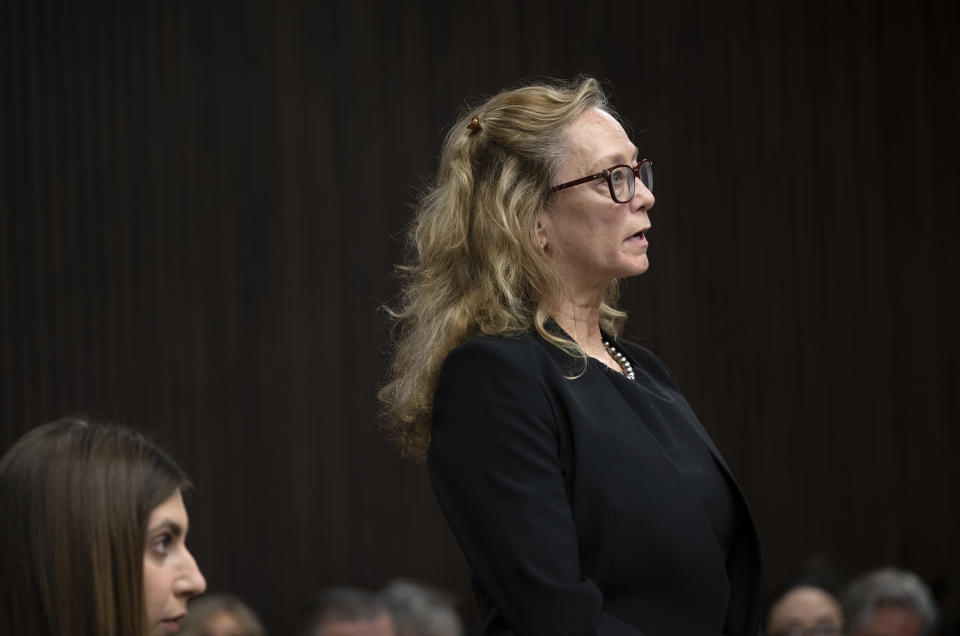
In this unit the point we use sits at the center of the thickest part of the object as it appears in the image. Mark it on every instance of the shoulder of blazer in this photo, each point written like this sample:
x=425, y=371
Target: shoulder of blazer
x=527, y=350
x=484, y=346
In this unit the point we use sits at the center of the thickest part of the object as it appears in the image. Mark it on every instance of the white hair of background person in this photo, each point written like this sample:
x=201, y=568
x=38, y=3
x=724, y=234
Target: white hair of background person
x=420, y=610
x=887, y=587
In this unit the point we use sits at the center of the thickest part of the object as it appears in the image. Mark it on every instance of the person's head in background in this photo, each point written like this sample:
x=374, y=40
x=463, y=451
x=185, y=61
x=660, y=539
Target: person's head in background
x=221, y=615
x=804, y=605
x=889, y=602
x=420, y=610
x=92, y=534
x=348, y=611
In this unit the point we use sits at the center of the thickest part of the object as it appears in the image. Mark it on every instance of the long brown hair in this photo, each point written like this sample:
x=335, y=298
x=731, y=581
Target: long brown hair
x=75, y=500
x=476, y=267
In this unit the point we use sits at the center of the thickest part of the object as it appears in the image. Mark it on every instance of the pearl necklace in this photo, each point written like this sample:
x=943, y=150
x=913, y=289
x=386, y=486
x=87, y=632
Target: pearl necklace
x=620, y=359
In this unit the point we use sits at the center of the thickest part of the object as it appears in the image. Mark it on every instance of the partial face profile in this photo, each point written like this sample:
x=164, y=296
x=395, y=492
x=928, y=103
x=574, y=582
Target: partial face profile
x=806, y=610
x=170, y=573
x=591, y=238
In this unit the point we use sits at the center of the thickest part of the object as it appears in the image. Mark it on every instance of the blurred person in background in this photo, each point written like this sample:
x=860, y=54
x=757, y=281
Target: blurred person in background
x=420, y=610
x=804, y=605
x=889, y=602
x=221, y=614
x=348, y=611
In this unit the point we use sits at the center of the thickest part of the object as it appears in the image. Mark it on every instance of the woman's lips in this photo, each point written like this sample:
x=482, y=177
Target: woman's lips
x=172, y=625
x=639, y=237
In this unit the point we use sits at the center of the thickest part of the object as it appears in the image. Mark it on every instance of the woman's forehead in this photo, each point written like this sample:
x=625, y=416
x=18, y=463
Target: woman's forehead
x=596, y=139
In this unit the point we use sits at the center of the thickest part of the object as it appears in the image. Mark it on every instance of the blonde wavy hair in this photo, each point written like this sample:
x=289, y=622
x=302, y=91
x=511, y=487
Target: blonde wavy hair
x=476, y=266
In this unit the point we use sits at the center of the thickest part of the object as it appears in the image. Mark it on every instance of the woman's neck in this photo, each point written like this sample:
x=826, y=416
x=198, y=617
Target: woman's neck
x=580, y=318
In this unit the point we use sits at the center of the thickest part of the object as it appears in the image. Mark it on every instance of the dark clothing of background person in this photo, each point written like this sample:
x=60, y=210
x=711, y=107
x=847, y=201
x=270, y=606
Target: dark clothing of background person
x=594, y=505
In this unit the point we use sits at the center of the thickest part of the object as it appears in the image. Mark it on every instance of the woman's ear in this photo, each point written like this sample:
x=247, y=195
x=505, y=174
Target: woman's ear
x=541, y=231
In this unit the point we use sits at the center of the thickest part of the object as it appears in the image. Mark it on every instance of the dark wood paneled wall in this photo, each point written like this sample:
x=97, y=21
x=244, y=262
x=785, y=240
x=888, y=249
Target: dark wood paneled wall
x=202, y=203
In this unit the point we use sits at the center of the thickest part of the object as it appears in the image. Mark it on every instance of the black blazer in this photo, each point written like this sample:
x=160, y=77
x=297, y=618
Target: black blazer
x=573, y=518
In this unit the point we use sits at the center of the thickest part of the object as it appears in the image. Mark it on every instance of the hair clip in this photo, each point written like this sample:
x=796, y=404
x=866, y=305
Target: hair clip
x=474, y=125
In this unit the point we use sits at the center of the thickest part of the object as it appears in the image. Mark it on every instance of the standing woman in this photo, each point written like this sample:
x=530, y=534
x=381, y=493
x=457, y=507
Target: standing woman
x=92, y=534
x=583, y=490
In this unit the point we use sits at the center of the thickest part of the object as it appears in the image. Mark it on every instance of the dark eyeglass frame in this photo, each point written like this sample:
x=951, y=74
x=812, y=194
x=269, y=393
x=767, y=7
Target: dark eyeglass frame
x=606, y=174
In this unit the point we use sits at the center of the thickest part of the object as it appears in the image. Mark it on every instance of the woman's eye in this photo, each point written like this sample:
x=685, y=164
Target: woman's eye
x=162, y=543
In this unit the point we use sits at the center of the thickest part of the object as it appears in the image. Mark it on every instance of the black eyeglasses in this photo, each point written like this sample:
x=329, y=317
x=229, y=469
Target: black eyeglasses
x=621, y=179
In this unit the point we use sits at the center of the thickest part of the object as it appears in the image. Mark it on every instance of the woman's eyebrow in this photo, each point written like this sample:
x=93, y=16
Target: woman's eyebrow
x=172, y=527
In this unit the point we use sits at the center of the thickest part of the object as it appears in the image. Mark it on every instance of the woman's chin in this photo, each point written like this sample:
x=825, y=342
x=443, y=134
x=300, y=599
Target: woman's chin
x=637, y=267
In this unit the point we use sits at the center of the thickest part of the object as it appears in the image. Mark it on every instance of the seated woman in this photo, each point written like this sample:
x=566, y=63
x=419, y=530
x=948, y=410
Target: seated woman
x=92, y=534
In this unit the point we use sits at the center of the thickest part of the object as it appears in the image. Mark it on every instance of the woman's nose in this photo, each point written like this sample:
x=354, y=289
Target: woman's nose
x=191, y=581
x=642, y=195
